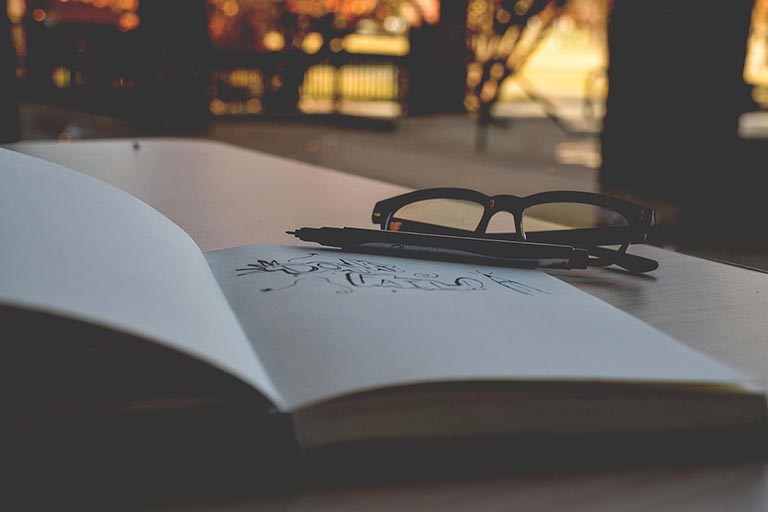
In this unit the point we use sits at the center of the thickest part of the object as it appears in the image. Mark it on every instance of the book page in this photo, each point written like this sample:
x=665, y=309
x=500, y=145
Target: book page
x=74, y=246
x=327, y=323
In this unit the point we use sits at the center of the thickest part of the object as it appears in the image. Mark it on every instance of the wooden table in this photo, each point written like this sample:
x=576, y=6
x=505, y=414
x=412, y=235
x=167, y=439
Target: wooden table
x=225, y=196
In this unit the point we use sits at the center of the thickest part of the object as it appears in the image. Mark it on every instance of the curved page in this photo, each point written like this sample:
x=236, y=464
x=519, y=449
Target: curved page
x=77, y=247
x=328, y=323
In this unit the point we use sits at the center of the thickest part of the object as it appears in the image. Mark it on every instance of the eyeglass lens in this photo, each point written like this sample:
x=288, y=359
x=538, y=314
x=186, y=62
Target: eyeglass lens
x=467, y=215
x=449, y=213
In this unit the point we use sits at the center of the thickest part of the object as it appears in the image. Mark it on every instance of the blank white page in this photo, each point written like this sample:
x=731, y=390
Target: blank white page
x=74, y=246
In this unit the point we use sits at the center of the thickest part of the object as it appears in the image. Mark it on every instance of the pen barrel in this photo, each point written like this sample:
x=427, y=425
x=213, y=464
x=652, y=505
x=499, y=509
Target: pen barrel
x=423, y=245
x=490, y=250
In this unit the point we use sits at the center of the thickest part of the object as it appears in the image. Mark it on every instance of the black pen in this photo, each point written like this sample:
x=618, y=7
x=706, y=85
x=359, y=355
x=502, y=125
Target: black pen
x=483, y=250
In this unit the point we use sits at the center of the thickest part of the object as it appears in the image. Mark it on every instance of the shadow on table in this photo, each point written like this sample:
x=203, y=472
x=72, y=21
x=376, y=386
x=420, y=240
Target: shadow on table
x=225, y=455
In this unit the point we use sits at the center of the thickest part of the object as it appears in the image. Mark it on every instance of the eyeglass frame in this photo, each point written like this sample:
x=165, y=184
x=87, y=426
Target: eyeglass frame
x=640, y=220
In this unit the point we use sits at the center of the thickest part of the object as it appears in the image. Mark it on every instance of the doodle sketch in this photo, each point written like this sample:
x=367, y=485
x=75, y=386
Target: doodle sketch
x=397, y=282
x=345, y=275
x=296, y=267
x=513, y=285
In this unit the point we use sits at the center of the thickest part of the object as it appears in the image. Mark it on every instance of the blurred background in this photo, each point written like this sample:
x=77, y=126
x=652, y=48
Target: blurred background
x=662, y=102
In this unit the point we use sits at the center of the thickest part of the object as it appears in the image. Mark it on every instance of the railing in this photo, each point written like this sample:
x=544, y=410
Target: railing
x=111, y=78
x=343, y=83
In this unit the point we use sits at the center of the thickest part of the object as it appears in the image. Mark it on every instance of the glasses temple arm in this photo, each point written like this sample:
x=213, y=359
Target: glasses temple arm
x=631, y=262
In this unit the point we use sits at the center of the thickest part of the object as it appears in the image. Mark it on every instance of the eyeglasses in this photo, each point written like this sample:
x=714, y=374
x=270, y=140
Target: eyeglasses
x=599, y=220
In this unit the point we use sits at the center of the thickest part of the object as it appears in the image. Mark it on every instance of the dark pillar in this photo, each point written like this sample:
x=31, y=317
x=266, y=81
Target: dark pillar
x=9, y=99
x=676, y=91
x=174, y=76
x=437, y=62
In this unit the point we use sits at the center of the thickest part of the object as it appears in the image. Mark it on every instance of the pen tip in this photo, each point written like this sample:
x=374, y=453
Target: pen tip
x=290, y=233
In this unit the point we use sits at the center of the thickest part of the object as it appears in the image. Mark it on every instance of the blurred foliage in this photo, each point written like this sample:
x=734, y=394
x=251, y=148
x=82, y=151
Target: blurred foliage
x=504, y=35
x=271, y=25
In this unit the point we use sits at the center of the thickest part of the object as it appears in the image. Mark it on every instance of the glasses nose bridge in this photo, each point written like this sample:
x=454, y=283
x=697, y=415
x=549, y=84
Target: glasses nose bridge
x=506, y=203
x=503, y=203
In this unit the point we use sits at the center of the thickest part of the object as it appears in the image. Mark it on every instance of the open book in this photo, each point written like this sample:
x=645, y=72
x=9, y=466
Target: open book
x=111, y=299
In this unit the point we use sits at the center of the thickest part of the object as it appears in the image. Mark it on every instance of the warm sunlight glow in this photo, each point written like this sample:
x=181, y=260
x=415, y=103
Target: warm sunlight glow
x=274, y=41
x=128, y=21
x=312, y=43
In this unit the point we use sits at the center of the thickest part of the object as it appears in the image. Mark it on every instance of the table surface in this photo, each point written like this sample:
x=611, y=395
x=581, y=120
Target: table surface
x=225, y=196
